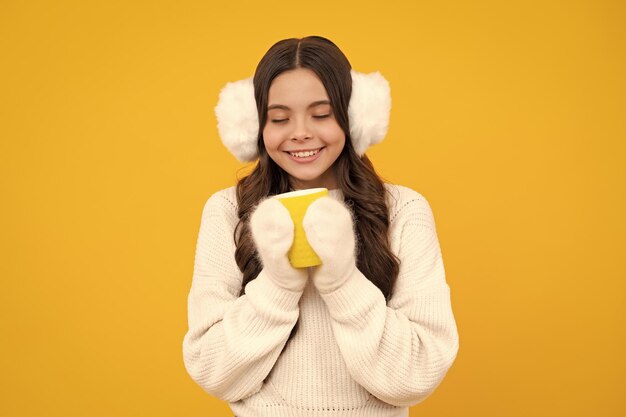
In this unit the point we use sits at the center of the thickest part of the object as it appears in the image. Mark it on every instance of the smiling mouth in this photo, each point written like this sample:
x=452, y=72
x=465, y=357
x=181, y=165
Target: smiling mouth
x=305, y=154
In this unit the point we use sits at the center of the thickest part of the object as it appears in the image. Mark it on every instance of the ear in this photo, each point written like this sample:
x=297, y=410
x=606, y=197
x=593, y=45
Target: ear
x=369, y=108
x=238, y=119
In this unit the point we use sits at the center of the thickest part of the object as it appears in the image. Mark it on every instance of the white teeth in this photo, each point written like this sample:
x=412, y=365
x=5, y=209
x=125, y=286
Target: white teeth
x=304, y=154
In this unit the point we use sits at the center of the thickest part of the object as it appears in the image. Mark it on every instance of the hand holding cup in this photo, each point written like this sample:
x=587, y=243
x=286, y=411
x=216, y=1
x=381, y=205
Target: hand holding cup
x=273, y=233
x=330, y=231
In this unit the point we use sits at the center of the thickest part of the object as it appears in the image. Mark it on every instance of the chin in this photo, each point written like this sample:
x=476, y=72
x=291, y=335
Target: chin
x=312, y=181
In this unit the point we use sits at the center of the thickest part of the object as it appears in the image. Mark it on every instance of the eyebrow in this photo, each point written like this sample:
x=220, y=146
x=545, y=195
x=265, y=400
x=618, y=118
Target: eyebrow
x=283, y=107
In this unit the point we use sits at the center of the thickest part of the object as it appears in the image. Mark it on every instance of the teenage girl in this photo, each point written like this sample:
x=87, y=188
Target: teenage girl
x=371, y=330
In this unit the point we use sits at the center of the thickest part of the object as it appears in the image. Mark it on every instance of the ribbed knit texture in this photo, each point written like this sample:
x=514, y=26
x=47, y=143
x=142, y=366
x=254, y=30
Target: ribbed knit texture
x=353, y=354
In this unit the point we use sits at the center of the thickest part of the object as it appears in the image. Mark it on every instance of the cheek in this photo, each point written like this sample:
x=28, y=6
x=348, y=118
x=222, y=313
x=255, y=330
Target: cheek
x=270, y=139
x=332, y=132
x=335, y=135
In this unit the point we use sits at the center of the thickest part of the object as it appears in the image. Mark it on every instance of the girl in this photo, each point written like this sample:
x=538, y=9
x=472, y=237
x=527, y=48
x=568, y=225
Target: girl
x=370, y=331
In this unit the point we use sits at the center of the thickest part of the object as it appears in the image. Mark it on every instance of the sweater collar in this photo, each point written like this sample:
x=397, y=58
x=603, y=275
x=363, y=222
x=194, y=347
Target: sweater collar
x=335, y=193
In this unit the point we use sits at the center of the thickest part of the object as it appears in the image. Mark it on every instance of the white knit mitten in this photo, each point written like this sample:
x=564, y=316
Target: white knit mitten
x=272, y=230
x=330, y=232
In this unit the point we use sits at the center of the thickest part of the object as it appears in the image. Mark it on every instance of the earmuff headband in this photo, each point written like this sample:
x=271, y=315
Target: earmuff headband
x=368, y=114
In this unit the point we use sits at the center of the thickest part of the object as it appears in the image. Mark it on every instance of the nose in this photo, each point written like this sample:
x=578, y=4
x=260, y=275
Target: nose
x=301, y=131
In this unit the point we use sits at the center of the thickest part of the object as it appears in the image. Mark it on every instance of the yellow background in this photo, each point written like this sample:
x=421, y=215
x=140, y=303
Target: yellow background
x=507, y=116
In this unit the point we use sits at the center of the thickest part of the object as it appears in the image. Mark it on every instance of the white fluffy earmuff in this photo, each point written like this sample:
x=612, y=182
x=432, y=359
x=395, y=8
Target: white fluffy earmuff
x=368, y=113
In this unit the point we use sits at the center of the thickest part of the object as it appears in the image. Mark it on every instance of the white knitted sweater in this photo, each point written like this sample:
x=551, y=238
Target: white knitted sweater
x=352, y=355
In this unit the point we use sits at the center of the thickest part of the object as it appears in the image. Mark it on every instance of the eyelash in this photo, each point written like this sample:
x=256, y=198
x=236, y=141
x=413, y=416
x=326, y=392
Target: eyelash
x=322, y=116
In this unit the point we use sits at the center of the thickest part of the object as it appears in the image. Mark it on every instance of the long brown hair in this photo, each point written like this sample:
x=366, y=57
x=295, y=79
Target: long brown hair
x=363, y=190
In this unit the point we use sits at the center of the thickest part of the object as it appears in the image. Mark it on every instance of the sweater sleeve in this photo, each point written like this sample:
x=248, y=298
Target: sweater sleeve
x=232, y=342
x=400, y=351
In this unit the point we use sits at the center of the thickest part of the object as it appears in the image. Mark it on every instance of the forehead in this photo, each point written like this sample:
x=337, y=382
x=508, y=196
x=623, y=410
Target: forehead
x=298, y=86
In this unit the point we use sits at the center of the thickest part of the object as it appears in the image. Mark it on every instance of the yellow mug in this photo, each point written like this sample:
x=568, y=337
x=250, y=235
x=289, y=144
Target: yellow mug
x=301, y=254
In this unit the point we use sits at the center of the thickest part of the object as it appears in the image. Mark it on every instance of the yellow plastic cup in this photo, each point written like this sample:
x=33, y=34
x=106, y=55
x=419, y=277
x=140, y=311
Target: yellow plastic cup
x=301, y=254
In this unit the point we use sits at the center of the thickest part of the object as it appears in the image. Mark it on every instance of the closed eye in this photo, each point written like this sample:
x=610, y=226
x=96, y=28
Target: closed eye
x=321, y=116
x=279, y=120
